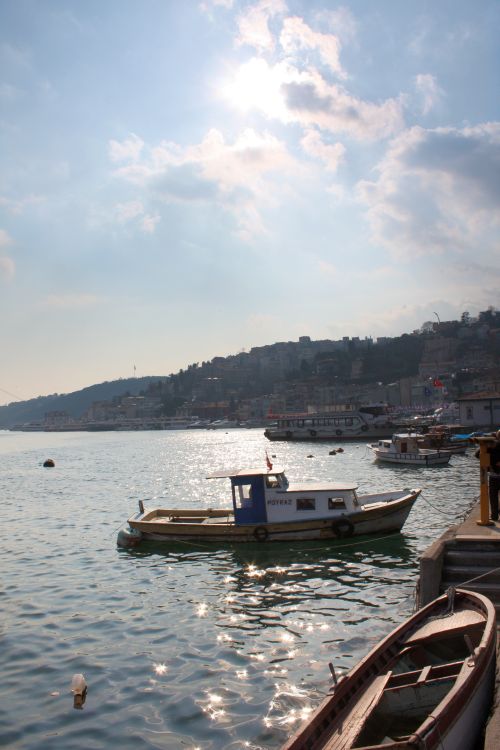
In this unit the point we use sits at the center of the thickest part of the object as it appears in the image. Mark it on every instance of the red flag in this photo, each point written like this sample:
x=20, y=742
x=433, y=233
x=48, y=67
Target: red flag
x=269, y=464
x=437, y=383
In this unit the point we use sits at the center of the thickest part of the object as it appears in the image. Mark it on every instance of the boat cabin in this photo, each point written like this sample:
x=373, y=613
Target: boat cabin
x=267, y=497
x=400, y=443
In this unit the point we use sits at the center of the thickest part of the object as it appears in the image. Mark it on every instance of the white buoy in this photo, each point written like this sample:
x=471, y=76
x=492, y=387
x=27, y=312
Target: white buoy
x=79, y=690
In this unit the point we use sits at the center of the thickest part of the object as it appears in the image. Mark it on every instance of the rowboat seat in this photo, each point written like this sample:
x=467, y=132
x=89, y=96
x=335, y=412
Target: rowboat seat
x=451, y=624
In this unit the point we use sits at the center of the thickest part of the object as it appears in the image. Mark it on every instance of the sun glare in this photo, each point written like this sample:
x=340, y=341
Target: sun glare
x=256, y=85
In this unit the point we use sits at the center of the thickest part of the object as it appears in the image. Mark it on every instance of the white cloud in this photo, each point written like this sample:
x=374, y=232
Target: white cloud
x=429, y=91
x=125, y=212
x=438, y=192
x=297, y=35
x=129, y=149
x=253, y=24
x=7, y=267
x=330, y=154
x=234, y=176
x=18, y=206
x=5, y=238
x=69, y=301
x=149, y=222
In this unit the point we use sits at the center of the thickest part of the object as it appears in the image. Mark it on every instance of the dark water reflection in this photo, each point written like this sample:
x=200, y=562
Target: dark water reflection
x=187, y=646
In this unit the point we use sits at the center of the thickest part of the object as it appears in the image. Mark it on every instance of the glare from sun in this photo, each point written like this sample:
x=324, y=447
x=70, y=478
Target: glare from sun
x=256, y=85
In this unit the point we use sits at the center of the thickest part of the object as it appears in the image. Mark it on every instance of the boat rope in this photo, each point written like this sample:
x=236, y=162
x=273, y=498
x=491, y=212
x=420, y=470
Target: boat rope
x=477, y=578
x=447, y=512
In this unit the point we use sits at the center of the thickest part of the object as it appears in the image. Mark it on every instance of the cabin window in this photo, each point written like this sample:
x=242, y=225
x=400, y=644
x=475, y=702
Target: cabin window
x=306, y=503
x=245, y=495
x=336, y=503
x=348, y=421
x=272, y=481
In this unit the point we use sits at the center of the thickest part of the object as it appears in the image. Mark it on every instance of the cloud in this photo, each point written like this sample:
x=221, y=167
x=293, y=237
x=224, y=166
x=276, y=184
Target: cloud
x=297, y=35
x=429, y=91
x=253, y=24
x=312, y=101
x=438, y=191
x=5, y=238
x=129, y=149
x=330, y=154
x=17, y=206
x=70, y=301
x=7, y=267
x=234, y=176
x=127, y=211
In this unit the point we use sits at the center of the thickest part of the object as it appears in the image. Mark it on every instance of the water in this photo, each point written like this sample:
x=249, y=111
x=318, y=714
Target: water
x=188, y=647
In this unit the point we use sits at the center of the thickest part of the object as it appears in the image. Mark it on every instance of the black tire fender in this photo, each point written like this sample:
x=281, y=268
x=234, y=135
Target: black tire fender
x=261, y=534
x=364, y=427
x=342, y=528
x=338, y=433
x=288, y=434
x=312, y=433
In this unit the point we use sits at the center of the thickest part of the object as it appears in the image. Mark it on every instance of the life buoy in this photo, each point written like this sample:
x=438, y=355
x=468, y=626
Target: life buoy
x=342, y=528
x=364, y=427
x=338, y=433
x=312, y=433
x=261, y=533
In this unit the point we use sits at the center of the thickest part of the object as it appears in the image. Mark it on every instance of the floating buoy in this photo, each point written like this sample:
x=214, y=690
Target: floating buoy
x=310, y=455
x=340, y=450
x=49, y=462
x=332, y=453
x=79, y=690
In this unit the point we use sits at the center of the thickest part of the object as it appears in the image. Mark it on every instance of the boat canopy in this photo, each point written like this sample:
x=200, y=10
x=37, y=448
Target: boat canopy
x=228, y=474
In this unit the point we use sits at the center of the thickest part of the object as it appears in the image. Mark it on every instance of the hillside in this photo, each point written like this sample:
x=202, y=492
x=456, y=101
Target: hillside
x=75, y=403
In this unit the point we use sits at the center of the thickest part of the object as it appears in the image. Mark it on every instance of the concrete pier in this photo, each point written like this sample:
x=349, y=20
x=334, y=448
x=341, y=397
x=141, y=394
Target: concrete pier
x=467, y=554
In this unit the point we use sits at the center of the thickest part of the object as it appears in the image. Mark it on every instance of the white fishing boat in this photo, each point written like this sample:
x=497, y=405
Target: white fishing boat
x=343, y=423
x=265, y=507
x=404, y=448
x=427, y=685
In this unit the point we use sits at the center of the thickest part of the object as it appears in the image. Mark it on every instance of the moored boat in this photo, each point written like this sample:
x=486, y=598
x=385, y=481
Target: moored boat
x=266, y=507
x=404, y=448
x=428, y=684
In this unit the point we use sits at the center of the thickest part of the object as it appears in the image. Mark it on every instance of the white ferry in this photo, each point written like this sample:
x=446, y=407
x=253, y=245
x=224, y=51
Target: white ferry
x=345, y=424
x=404, y=448
x=264, y=507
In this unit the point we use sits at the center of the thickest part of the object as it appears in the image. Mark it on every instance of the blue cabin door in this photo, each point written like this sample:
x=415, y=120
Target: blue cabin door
x=249, y=499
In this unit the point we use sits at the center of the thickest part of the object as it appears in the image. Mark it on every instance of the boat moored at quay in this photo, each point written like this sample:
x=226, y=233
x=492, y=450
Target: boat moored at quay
x=427, y=686
x=404, y=448
x=265, y=507
x=343, y=424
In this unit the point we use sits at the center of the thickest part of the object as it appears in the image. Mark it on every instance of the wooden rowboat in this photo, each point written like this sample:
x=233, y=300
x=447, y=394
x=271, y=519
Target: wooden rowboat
x=428, y=685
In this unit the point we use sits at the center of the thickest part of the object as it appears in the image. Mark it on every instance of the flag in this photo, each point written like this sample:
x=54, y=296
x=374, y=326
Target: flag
x=437, y=383
x=268, y=462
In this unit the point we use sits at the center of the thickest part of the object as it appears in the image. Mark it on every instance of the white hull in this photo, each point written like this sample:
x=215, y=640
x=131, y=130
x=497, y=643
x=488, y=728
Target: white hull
x=412, y=459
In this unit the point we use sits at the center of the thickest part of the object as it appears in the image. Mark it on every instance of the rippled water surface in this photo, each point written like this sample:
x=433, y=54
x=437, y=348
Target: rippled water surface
x=188, y=646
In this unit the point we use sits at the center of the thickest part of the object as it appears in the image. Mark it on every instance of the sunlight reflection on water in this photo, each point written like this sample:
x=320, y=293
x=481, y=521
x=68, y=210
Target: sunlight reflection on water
x=187, y=646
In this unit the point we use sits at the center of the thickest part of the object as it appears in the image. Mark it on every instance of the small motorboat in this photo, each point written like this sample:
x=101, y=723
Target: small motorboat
x=264, y=507
x=427, y=686
x=404, y=448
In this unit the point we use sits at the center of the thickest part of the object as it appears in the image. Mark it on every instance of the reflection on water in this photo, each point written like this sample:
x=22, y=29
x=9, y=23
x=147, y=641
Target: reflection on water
x=187, y=646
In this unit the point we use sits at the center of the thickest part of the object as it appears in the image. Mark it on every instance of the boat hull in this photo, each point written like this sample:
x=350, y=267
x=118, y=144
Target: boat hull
x=413, y=459
x=161, y=524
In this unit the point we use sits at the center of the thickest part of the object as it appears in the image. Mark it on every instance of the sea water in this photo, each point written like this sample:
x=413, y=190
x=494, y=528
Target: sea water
x=190, y=646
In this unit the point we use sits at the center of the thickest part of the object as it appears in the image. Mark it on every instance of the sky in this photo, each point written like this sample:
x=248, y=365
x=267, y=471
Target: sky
x=185, y=179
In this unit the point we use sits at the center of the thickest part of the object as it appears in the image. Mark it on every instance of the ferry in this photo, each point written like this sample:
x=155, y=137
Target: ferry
x=265, y=507
x=346, y=423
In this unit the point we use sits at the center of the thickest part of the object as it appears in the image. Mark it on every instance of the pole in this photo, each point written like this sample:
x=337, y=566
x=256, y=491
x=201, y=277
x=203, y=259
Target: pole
x=484, y=464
